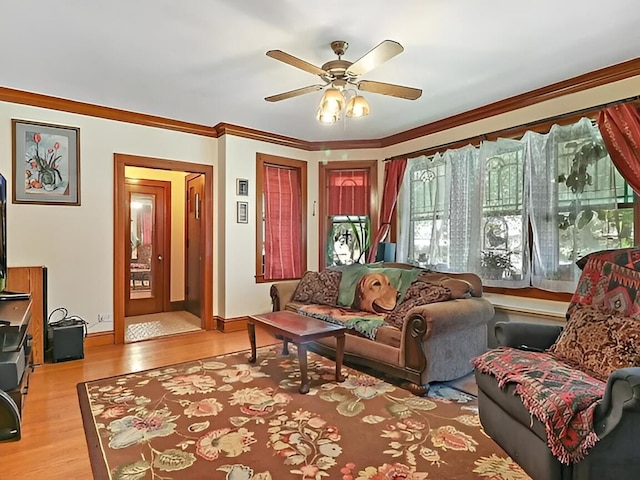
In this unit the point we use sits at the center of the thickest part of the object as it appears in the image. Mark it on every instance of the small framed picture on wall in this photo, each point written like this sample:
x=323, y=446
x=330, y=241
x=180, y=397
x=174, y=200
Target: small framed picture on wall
x=242, y=186
x=242, y=213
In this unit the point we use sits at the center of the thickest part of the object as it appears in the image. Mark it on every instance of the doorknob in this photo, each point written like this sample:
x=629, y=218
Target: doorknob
x=159, y=258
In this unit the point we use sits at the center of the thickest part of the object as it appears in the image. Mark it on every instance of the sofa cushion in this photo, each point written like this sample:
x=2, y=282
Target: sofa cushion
x=318, y=287
x=598, y=342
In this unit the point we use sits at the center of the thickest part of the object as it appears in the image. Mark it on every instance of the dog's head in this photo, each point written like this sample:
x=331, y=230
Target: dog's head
x=374, y=293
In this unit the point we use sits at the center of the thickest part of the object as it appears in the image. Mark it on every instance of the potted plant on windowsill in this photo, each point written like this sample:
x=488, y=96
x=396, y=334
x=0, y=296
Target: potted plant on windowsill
x=496, y=265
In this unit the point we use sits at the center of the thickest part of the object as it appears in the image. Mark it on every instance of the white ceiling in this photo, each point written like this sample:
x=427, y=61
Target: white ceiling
x=203, y=61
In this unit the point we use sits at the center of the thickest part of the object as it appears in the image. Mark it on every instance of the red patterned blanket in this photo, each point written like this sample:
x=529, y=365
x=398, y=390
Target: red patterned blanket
x=561, y=397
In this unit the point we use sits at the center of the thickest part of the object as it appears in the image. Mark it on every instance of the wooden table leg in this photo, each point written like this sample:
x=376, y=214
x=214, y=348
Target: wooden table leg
x=285, y=346
x=340, y=339
x=302, y=360
x=251, y=328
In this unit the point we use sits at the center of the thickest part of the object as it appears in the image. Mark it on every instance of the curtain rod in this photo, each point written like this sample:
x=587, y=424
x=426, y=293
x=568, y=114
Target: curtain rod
x=484, y=136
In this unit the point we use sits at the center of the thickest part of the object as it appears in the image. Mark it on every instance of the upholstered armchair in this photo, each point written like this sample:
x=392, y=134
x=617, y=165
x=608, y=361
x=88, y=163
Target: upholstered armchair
x=564, y=402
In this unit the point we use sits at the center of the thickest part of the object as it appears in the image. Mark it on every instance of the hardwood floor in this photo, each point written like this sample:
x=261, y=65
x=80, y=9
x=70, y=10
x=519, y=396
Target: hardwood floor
x=53, y=444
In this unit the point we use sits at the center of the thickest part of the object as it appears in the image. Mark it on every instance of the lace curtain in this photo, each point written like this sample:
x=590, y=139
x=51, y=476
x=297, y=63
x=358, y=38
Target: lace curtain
x=472, y=209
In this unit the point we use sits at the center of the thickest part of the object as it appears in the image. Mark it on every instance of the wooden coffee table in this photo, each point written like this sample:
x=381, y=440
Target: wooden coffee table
x=300, y=330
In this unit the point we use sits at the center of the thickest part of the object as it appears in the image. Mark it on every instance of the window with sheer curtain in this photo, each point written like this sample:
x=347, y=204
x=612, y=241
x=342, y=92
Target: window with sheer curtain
x=516, y=212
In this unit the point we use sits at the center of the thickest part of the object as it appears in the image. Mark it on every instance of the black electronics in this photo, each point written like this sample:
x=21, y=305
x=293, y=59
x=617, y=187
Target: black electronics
x=9, y=419
x=12, y=365
x=65, y=335
x=386, y=252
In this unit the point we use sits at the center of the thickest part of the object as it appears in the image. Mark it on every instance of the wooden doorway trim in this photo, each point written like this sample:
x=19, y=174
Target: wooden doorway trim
x=120, y=219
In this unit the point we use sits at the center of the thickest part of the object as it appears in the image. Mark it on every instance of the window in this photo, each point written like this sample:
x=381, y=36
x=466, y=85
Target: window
x=517, y=212
x=348, y=216
x=281, y=221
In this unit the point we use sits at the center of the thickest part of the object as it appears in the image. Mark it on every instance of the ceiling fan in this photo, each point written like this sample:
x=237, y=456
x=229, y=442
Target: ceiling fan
x=342, y=78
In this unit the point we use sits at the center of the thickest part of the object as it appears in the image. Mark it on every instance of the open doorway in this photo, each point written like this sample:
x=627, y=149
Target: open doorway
x=141, y=284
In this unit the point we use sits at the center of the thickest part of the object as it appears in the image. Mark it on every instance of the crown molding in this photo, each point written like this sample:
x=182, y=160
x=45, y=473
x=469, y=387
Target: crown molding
x=71, y=106
x=250, y=133
x=597, y=78
x=238, y=131
x=577, y=84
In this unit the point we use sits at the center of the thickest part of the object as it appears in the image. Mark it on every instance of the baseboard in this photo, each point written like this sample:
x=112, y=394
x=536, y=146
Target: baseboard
x=227, y=325
x=98, y=339
x=177, y=306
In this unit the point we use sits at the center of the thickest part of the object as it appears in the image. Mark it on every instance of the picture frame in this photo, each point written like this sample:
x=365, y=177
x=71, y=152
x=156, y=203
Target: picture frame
x=242, y=186
x=45, y=163
x=242, y=212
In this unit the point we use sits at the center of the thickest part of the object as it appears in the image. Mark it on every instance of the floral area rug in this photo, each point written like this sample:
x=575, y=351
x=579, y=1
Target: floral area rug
x=223, y=418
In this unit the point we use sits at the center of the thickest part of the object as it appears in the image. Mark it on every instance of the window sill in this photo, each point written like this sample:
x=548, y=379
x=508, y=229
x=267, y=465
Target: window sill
x=536, y=307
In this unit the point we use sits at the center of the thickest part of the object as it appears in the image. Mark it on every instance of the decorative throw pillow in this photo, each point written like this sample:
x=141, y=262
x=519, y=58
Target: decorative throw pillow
x=597, y=342
x=462, y=284
x=591, y=285
x=625, y=257
x=622, y=291
x=419, y=293
x=318, y=287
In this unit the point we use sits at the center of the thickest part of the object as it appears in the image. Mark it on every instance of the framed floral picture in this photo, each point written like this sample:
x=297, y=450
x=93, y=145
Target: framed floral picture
x=46, y=163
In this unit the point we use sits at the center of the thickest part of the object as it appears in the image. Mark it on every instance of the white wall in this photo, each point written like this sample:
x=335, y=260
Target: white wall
x=242, y=295
x=76, y=242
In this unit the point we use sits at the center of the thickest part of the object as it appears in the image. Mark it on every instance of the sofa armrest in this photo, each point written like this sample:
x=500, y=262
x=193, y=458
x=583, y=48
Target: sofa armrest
x=453, y=315
x=425, y=321
x=622, y=394
x=281, y=293
x=536, y=336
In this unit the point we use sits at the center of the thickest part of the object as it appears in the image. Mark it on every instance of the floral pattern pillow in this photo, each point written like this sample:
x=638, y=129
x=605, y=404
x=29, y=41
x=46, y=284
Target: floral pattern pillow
x=598, y=342
x=318, y=287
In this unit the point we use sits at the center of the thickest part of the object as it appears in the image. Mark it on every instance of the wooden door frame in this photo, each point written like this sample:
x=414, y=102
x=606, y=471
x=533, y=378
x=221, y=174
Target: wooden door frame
x=372, y=166
x=187, y=178
x=120, y=219
x=166, y=264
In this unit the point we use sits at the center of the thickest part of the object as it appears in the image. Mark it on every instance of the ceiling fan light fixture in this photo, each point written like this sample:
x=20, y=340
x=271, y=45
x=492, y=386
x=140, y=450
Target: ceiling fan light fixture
x=332, y=100
x=326, y=116
x=358, y=107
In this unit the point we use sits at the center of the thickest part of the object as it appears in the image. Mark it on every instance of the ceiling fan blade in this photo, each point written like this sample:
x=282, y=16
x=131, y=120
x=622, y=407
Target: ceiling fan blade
x=389, y=89
x=295, y=62
x=294, y=93
x=376, y=56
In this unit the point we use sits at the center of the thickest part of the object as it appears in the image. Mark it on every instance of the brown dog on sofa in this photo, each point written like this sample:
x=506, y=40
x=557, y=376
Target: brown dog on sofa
x=374, y=293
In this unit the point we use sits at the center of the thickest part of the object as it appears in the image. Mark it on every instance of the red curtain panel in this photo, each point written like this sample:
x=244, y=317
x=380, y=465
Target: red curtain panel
x=349, y=192
x=393, y=174
x=620, y=129
x=283, y=223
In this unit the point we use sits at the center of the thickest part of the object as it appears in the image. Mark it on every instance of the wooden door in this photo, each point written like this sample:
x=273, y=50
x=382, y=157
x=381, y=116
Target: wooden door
x=148, y=238
x=194, y=242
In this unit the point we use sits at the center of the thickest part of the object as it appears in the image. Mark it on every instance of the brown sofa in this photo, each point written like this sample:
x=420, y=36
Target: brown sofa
x=421, y=342
x=589, y=367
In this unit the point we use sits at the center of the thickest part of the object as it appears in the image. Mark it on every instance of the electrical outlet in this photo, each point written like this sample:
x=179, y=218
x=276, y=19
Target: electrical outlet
x=105, y=317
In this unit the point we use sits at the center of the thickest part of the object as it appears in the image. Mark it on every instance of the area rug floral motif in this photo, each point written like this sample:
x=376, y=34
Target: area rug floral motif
x=223, y=418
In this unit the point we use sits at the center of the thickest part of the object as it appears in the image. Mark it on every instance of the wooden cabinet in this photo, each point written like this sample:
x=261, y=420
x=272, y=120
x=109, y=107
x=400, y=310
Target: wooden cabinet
x=15, y=350
x=33, y=280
